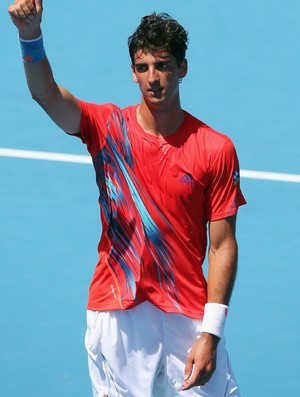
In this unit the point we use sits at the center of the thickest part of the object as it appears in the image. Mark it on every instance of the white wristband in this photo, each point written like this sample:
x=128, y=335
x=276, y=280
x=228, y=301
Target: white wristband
x=214, y=319
x=32, y=40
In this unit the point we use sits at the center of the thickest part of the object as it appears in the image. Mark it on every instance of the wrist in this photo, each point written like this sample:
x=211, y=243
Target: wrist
x=214, y=319
x=30, y=34
x=210, y=337
x=32, y=49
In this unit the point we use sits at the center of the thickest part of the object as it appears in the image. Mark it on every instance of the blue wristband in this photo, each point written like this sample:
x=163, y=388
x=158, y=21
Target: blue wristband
x=32, y=51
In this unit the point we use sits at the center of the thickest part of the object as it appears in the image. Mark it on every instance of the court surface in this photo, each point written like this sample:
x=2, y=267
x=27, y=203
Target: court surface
x=244, y=62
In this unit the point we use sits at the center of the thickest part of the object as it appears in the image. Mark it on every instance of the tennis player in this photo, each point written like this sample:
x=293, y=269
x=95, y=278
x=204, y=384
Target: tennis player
x=167, y=182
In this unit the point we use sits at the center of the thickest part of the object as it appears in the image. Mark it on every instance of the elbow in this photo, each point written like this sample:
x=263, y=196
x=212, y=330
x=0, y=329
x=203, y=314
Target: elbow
x=38, y=99
x=227, y=245
x=226, y=254
x=45, y=96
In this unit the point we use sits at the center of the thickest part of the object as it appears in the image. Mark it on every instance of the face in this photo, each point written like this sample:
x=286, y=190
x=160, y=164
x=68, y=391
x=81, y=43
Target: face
x=158, y=77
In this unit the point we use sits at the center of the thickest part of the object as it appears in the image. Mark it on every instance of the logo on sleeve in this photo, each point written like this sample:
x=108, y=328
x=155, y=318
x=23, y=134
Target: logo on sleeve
x=236, y=177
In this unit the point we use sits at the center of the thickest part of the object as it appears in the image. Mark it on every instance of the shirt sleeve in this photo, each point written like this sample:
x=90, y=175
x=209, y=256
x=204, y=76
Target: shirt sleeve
x=94, y=125
x=224, y=195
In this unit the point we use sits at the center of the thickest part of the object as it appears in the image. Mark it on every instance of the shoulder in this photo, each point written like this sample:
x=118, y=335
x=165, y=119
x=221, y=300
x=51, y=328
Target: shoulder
x=99, y=123
x=129, y=113
x=108, y=111
x=204, y=130
x=89, y=108
x=106, y=116
x=207, y=137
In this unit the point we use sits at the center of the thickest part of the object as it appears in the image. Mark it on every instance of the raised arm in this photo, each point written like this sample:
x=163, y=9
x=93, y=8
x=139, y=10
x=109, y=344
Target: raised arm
x=58, y=103
x=222, y=267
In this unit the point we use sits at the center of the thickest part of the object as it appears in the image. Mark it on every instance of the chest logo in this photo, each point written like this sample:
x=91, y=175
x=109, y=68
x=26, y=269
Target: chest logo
x=187, y=179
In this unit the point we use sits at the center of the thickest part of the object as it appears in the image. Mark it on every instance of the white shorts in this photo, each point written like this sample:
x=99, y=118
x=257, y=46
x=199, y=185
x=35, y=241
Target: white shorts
x=142, y=352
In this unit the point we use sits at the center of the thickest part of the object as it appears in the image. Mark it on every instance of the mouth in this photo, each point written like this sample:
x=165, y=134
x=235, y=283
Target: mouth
x=156, y=90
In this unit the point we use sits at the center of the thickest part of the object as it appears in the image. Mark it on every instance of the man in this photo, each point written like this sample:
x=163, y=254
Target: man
x=155, y=327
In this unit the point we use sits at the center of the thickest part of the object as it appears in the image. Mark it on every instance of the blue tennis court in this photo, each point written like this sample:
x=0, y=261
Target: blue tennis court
x=243, y=80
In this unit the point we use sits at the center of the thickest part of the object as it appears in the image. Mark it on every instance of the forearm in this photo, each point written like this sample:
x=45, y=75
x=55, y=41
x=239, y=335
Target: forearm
x=222, y=258
x=38, y=72
x=41, y=82
x=61, y=105
x=222, y=271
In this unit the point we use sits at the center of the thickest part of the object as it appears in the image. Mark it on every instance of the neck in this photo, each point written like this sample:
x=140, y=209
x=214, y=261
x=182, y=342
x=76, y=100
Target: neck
x=158, y=121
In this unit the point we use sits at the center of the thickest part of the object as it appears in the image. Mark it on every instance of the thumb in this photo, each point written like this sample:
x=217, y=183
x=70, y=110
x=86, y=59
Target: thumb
x=188, y=368
x=39, y=6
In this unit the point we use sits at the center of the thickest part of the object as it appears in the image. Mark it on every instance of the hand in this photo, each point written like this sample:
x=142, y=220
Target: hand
x=27, y=17
x=201, y=361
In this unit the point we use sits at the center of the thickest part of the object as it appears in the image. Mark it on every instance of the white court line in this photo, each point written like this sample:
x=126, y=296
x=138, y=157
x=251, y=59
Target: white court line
x=270, y=176
x=75, y=158
x=30, y=154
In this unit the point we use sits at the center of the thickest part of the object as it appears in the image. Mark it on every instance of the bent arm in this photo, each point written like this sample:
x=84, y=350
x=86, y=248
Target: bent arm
x=59, y=104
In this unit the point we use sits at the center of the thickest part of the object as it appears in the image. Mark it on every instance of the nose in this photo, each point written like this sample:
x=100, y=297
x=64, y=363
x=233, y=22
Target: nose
x=152, y=75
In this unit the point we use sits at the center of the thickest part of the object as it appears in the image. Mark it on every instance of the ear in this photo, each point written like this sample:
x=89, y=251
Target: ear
x=134, y=78
x=183, y=69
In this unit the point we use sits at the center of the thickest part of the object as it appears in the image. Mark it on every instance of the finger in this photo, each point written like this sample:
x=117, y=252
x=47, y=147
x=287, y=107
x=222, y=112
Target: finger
x=199, y=377
x=188, y=368
x=189, y=383
x=19, y=13
x=13, y=12
x=39, y=5
x=28, y=9
x=189, y=375
x=30, y=4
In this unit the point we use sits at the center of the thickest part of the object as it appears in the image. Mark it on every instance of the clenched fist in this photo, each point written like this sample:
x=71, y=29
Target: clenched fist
x=27, y=16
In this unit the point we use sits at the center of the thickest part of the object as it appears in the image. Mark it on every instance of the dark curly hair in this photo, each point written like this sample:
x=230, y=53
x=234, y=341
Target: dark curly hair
x=159, y=32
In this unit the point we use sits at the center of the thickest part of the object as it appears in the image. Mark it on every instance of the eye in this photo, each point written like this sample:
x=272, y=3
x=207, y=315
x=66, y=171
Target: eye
x=162, y=66
x=141, y=67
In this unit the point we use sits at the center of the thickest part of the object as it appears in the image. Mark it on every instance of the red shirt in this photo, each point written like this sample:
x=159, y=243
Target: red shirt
x=156, y=197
